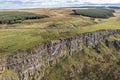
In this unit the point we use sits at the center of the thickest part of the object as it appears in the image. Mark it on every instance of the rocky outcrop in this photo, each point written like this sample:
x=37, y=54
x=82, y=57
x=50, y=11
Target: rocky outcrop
x=30, y=65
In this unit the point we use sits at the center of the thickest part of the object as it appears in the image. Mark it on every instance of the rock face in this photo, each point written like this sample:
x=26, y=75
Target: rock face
x=30, y=65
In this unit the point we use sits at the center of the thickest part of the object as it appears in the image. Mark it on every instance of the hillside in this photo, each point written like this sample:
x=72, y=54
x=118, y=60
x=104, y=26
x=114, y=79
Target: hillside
x=62, y=46
x=16, y=40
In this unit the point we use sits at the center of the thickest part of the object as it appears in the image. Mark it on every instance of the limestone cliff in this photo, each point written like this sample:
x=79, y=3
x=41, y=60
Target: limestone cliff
x=32, y=65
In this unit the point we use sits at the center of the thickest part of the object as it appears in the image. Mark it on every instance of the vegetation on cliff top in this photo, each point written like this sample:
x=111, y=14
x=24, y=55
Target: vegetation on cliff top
x=15, y=40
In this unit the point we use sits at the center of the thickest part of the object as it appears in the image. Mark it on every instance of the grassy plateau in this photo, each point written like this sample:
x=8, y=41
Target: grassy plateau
x=29, y=33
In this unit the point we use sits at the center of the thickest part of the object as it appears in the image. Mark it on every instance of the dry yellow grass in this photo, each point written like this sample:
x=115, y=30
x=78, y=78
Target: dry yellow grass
x=55, y=16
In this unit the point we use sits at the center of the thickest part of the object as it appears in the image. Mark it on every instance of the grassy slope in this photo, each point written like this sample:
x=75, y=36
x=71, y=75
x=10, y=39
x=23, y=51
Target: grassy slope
x=13, y=40
x=31, y=34
x=96, y=65
x=59, y=16
x=45, y=23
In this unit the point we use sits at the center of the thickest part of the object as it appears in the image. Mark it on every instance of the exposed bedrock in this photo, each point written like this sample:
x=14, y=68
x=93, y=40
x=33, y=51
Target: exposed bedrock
x=30, y=65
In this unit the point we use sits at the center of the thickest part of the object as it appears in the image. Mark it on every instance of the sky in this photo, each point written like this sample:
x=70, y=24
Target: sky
x=67, y=1
x=16, y=4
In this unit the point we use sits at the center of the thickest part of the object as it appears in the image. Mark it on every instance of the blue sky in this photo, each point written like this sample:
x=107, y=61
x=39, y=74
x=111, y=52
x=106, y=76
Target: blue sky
x=18, y=4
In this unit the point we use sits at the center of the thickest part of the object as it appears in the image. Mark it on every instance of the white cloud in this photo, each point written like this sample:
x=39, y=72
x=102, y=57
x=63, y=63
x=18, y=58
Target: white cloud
x=73, y=1
x=68, y=1
x=19, y=4
x=103, y=1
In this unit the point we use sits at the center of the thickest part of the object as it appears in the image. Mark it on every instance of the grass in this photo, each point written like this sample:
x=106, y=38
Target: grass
x=107, y=25
x=15, y=40
x=71, y=23
x=8, y=74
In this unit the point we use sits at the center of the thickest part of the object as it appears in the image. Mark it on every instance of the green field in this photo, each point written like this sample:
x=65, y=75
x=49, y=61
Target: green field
x=16, y=40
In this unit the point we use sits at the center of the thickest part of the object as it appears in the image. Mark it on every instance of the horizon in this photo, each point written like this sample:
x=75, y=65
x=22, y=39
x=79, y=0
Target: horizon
x=27, y=4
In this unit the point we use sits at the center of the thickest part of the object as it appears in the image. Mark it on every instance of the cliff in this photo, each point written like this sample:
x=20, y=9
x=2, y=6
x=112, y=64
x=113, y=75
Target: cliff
x=32, y=65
